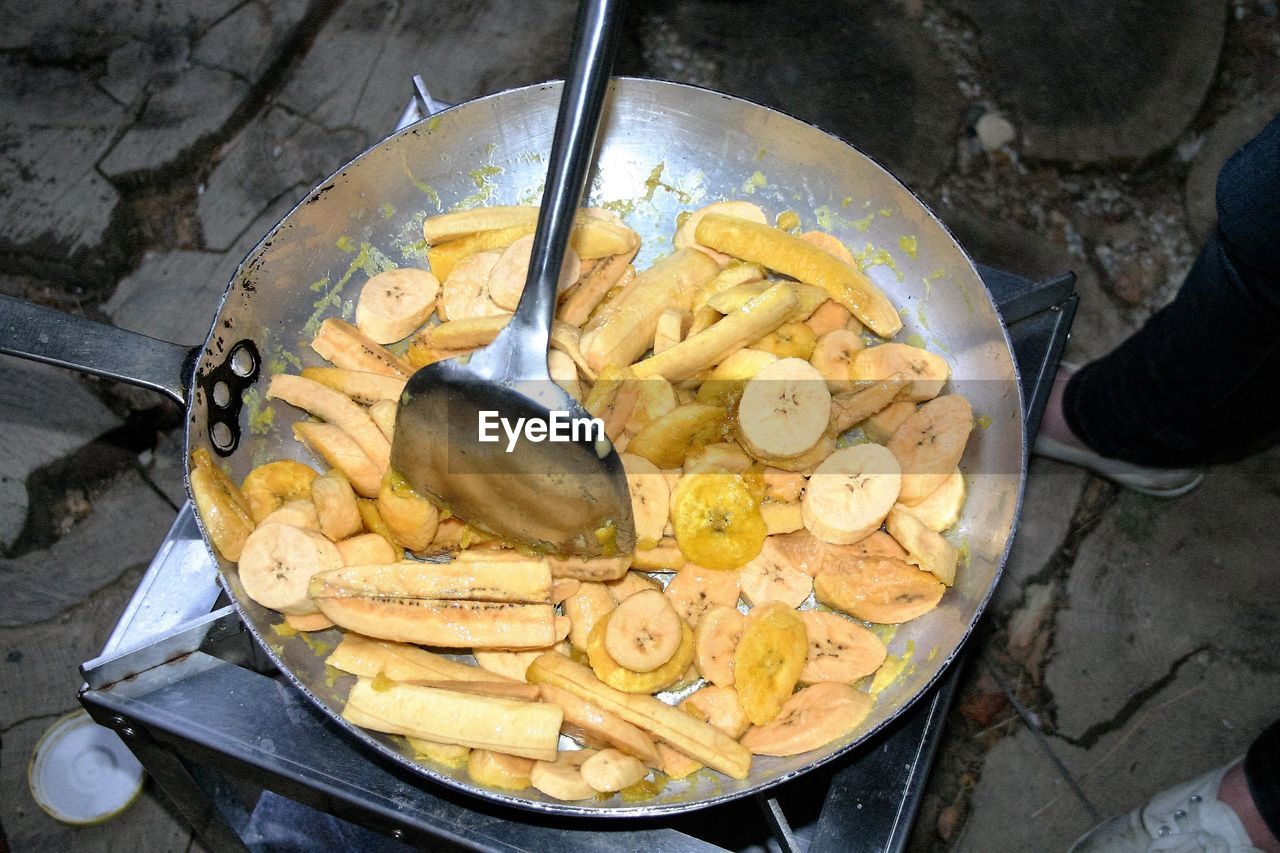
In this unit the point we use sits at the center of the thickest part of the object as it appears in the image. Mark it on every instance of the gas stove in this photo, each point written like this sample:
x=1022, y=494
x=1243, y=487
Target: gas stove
x=247, y=759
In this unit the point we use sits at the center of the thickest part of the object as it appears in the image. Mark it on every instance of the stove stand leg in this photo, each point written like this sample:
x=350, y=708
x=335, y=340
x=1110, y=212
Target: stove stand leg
x=778, y=823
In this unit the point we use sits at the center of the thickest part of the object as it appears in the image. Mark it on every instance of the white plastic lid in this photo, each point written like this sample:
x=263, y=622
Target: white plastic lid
x=82, y=773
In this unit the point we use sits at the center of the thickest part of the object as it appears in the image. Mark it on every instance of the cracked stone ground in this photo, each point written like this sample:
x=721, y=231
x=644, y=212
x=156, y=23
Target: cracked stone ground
x=147, y=147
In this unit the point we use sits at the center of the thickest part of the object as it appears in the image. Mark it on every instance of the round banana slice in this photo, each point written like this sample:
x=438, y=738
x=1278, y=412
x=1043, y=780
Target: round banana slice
x=929, y=445
x=561, y=780
x=772, y=576
x=723, y=455
x=277, y=563
x=644, y=631
x=883, y=590
x=941, y=510
x=792, y=340
x=396, y=302
x=784, y=410
x=627, y=680
x=814, y=717
x=833, y=358
x=612, y=770
x=695, y=590
x=927, y=371
x=465, y=293
x=650, y=498
x=300, y=513
x=718, y=707
x=499, y=770
x=684, y=236
x=716, y=518
x=839, y=650
x=768, y=660
x=269, y=486
x=717, y=635
x=368, y=549
x=849, y=495
x=507, y=278
x=667, y=440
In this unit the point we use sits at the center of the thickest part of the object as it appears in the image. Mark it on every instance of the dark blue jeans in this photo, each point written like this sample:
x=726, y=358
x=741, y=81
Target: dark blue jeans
x=1262, y=771
x=1199, y=382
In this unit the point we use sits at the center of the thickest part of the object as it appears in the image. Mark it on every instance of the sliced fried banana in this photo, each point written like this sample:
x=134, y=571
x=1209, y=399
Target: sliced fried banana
x=629, y=584
x=611, y=770
x=772, y=576
x=300, y=513
x=695, y=590
x=685, y=234
x=782, y=486
x=346, y=347
x=507, y=278
x=592, y=725
x=768, y=660
x=663, y=557
x=451, y=755
x=850, y=493
x=878, y=589
x=717, y=635
x=308, y=623
x=223, y=510
x=829, y=244
x=858, y=405
x=833, y=357
x=839, y=650
x=499, y=770
x=814, y=717
x=929, y=445
x=627, y=680
x=340, y=450
x=791, y=340
x=644, y=631
x=928, y=372
x=925, y=548
x=941, y=510
x=465, y=292
x=335, y=503
x=673, y=323
x=395, y=302
x=650, y=498
x=828, y=317
x=655, y=397
x=884, y=423
x=719, y=707
x=363, y=387
x=782, y=516
x=723, y=455
x=560, y=779
x=667, y=440
x=717, y=520
x=591, y=603
x=675, y=763
x=411, y=518
x=368, y=549
x=277, y=563
x=811, y=555
x=269, y=486
x=784, y=410
x=564, y=373
x=723, y=386
x=337, y=409
x=806, y=462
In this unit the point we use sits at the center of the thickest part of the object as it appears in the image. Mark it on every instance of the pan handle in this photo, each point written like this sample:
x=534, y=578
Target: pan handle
x=65, y=340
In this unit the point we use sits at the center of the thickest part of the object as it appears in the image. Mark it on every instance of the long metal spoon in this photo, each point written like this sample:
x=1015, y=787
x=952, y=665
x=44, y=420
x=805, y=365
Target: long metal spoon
x=565, y=496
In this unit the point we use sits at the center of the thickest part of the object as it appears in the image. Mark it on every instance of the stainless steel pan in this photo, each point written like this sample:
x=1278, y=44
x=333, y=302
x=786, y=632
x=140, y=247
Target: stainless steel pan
x=664, y=148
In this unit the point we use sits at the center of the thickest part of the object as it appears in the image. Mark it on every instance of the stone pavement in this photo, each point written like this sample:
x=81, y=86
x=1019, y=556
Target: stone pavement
x=146, y=147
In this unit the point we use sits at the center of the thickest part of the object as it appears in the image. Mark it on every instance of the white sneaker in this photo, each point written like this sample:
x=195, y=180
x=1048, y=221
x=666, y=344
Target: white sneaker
x=1187, y=819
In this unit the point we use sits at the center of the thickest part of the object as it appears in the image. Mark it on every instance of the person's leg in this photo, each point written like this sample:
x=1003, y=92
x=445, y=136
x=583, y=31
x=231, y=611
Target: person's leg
x=1253, y=790
x=1195, y=384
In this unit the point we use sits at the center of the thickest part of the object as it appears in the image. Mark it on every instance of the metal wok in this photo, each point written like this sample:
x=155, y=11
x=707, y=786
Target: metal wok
x=664, y=148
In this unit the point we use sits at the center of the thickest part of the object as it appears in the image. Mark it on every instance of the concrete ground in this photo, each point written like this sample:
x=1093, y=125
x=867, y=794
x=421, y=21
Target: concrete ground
x=146, y=147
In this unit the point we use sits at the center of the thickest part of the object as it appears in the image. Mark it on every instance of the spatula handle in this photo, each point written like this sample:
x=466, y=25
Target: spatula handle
x=581, y=103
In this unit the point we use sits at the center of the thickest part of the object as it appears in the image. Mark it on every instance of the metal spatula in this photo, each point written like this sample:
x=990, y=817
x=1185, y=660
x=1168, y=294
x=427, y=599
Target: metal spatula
x=566, y=496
